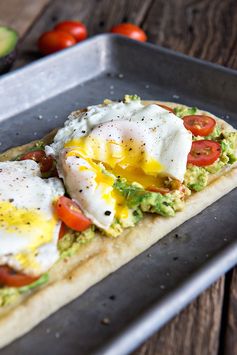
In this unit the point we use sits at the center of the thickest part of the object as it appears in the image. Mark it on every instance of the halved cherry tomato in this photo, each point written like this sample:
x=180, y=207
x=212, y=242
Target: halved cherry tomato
x=69, y=212
x=204, y=152
x=11, y=278
x=130, y=30
x=161, y=190
x=199, y=125
x=166, y=108
x=46, y=162
x=74, y=28
x=53, y=41
x=62, y=231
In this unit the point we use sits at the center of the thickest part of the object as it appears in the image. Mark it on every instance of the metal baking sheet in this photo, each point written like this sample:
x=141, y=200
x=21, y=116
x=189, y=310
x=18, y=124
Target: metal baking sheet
x=144, y=294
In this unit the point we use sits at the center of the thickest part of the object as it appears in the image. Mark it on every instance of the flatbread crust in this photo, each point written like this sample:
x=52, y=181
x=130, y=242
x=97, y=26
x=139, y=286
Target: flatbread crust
x=70, y=277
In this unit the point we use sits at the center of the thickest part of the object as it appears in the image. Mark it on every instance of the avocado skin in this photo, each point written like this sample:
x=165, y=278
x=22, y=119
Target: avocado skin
x=7, y=61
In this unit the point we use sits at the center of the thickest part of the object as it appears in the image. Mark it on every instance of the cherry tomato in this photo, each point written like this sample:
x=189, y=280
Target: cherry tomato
x=161, y=190
x=53, y=41
x=69, y=212
x=204, y=152
x=46, y=162
x=11, y=278
x=74, y=28
x=199, y=125
x=130, y=30
x=62, y=231
x=167, y=108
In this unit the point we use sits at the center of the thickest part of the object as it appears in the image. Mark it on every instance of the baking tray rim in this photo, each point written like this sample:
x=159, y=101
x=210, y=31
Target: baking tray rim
x=112, y=37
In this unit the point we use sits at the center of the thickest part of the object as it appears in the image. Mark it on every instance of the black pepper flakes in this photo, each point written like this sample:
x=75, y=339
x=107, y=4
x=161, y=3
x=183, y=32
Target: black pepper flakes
x=107, y=213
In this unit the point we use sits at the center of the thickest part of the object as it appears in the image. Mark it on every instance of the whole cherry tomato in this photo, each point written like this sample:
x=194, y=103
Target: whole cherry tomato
x=74, y=28
x=130, y=30
x=53, y=41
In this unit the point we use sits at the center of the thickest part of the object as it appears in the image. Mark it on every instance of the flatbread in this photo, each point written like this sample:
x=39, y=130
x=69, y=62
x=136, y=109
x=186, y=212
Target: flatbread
x=71, y=277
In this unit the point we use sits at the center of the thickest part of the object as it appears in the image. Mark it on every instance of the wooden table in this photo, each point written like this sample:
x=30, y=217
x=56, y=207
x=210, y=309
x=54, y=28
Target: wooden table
x=203, y=28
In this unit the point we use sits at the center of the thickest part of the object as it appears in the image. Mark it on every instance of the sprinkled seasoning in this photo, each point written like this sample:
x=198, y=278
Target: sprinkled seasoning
x=107, y=213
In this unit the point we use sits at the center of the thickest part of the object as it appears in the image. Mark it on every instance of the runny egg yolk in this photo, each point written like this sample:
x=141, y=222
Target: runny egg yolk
x=105, y=181
x=32, y=224
x=127, y=159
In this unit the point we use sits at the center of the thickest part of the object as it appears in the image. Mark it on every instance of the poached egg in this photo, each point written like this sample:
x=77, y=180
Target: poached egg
x=131, y=140
x=29, y=227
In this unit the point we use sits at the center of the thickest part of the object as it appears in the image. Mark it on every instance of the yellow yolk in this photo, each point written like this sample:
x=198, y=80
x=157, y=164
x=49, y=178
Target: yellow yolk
x=106, y=184
x=121, y=210
x=27, y=222
x=125, y=160
x=26, y=259
x=137, y=174
x=23, y=221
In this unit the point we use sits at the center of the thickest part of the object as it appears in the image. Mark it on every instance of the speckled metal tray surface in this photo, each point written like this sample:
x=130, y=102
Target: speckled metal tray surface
x=140, y=297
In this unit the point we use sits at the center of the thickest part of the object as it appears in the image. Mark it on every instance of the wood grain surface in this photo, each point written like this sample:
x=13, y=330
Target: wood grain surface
x=202, y=28
x=21, y=14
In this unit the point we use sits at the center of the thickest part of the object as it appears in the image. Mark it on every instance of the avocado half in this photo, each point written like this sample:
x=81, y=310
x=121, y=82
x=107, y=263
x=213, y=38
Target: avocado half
x=8, y=43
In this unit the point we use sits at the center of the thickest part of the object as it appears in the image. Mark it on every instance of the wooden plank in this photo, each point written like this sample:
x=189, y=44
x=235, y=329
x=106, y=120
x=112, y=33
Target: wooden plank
x=20, y=14
x=195, y=331
x=99, y=16
x=205, y=29
x=229, y=344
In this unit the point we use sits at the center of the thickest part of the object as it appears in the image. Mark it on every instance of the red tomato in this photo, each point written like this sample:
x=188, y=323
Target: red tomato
x=130, y=30
x=199, y=125
x=53, y=41
x=204, y=152
x=161, y=190
x=62, y=231
x=11, y=278
x=69, y=212
x=167, y=108
x=46, y=163
x=74, y=28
